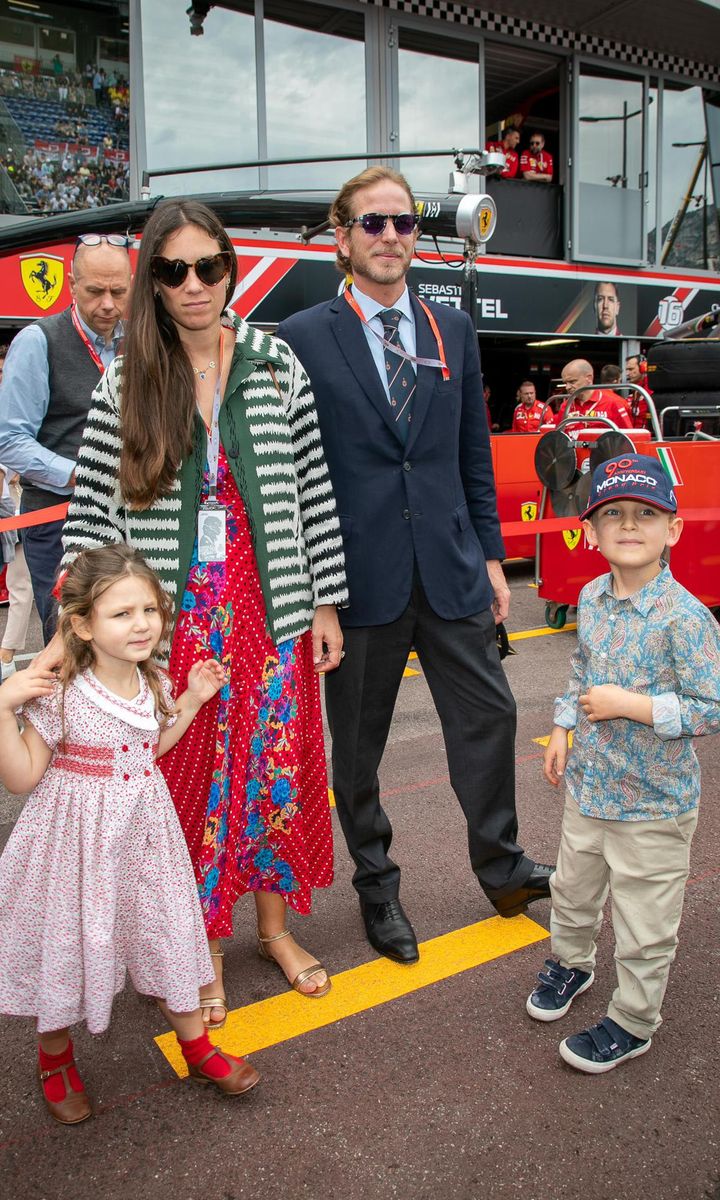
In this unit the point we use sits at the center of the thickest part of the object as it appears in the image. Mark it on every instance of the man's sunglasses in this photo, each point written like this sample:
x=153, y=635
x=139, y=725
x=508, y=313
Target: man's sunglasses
x=536, y=145
x=374, y=223
x=173, y=271
x=96, y=239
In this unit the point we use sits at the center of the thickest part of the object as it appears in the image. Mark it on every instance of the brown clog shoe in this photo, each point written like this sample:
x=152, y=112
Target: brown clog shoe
x=74, y=1107
x=240, y=1079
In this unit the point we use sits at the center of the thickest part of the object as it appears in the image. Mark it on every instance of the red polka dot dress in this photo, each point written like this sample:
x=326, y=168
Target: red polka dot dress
x=248, y=779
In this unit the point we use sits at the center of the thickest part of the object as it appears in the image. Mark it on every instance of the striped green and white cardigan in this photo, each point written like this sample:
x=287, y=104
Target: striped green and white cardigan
x=272, y=442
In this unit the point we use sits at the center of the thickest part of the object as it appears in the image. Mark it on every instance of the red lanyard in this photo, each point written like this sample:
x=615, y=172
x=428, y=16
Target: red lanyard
x=422, y=362
x=86, y=340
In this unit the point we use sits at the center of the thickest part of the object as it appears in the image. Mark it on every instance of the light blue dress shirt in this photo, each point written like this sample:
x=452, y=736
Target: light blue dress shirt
x=24, y=400
x=406, y=329
x=662, y=643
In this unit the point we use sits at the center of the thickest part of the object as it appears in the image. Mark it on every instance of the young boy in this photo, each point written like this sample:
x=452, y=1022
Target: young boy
x=645, y=681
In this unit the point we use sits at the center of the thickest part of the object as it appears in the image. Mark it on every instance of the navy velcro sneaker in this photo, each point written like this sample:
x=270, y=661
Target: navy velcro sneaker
x=558, y=988
x=602, y=1048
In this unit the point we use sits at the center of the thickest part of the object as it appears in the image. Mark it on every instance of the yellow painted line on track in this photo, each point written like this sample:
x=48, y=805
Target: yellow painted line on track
x=269, y=1022
x=544, y=632
x=543, y=741
x=410, y=670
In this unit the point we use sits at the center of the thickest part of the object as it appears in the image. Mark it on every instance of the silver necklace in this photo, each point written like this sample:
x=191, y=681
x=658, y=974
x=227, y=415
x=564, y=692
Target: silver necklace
x=210, y=367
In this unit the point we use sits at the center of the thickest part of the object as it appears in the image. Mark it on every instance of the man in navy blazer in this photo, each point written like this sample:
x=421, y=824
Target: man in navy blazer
x=400, y=400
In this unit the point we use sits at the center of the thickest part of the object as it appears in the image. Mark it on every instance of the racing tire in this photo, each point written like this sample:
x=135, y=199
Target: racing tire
x=695, y=365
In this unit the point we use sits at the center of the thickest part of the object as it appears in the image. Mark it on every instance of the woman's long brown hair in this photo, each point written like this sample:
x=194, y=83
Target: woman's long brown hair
x=158, y=386
x=89, y=575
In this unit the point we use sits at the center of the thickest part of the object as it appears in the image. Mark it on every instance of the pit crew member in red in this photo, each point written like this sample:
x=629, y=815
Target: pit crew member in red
x=535, y=162
x=528, y=416
x=638, y=405
x=508, y=147
x=597, y=403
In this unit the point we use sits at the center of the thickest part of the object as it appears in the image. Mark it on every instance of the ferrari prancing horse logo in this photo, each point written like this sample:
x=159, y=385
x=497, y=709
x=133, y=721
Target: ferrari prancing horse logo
x=42, y=277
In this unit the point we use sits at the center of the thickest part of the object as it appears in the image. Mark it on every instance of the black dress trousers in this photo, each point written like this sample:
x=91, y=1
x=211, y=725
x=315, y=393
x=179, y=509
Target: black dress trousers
x=462, y=667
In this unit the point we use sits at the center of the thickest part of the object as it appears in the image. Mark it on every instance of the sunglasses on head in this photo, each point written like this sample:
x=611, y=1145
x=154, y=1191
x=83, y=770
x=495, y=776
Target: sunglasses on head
x=96, y=239
x=173, y=271
x=374, y=223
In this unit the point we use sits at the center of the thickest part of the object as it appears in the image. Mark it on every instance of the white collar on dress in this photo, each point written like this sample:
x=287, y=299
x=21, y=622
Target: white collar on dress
x=139, y=712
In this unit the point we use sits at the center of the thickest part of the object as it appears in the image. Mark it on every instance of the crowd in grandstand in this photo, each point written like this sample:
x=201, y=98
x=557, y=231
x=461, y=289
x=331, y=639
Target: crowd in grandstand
x=71, y=88
x=77, y=156
x=50, y=182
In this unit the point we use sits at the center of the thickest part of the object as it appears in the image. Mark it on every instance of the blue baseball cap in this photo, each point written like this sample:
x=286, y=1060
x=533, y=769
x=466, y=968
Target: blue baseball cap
x=631, y=477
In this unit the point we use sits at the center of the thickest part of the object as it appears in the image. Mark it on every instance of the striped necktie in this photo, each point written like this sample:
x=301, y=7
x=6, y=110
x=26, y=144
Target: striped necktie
x=400, y=374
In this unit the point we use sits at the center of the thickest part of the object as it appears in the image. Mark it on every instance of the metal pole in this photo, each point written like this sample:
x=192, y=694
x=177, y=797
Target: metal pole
x=677, y=220
x=469, y=294
x=625, y=137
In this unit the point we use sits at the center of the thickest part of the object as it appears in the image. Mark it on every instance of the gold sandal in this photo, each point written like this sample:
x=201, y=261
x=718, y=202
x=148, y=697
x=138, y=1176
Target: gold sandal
x=302, y=976
x=208, y=1003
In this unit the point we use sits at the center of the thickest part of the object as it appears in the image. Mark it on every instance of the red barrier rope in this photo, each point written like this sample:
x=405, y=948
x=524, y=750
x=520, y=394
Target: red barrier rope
x=42, y=516
x=509, y=528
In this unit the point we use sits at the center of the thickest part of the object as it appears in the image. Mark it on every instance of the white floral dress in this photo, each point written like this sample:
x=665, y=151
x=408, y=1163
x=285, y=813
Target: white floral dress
x=96, y=878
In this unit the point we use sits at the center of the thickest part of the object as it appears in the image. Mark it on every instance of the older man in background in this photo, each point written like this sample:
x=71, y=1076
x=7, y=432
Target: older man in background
x=592, y=402
x=52, y=368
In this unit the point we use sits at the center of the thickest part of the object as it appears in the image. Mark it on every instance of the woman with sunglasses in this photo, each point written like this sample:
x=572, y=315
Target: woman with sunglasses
x=203, y=451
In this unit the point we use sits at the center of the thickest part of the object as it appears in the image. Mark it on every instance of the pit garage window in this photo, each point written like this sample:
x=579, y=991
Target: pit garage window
x=690, y=168
x=611, y=172
x=199, y=97
x=314, y=89
x=439, y=102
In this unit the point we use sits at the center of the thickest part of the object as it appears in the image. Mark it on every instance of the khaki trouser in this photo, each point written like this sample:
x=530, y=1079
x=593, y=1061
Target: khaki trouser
x=21, y=600
x=644, y=866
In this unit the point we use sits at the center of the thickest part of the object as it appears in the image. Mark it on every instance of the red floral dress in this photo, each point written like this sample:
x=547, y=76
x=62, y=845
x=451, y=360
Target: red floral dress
x=248, y=779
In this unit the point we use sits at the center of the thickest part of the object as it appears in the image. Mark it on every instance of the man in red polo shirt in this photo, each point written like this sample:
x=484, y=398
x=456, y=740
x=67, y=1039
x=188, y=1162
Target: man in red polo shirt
x=535, y=162
x=508, y=147
x=596, y=403
x=528, y=415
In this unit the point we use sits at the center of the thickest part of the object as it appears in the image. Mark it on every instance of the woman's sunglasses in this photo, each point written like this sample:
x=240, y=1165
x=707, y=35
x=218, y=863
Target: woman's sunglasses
x=173, y=271
x=374, y=223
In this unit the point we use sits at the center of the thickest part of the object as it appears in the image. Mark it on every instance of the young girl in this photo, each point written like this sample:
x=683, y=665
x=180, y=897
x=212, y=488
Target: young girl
x=96, y=877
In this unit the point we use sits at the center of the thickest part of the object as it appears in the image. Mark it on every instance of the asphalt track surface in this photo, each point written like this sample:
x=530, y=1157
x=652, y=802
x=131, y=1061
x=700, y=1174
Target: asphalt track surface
x=446, y=1090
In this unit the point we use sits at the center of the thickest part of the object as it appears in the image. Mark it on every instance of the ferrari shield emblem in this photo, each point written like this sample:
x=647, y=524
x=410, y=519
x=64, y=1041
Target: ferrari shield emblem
x=571, y=537
x=528, y=511
x=42, y=277
x=487, y=221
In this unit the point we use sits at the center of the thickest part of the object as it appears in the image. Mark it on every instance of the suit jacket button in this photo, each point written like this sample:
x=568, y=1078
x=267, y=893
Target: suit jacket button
x=407, y=466
x=407, y=514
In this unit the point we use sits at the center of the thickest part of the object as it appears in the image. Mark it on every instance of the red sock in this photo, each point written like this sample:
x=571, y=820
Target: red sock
x=195, y=1051
x=54, y=1087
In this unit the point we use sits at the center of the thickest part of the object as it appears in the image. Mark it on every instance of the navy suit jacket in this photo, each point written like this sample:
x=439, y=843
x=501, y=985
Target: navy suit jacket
x=429, y=502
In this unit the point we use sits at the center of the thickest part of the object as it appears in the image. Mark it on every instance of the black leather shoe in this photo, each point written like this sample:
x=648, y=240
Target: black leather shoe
x=389, y=931
x=536, y=887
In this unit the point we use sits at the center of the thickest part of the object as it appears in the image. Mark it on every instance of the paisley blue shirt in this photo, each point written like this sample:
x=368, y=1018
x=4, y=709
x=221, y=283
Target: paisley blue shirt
x=663, y=643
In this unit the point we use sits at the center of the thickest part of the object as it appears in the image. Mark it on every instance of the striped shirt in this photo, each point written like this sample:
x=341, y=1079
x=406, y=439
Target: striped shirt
x=272, y=441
